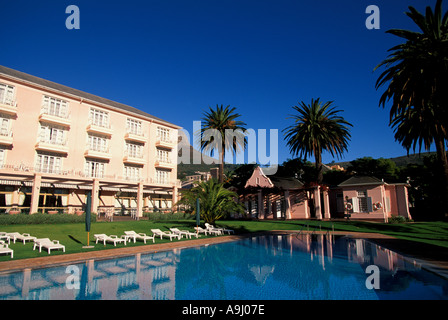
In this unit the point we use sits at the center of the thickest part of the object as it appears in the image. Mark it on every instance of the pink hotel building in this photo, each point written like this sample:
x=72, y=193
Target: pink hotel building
x=56, y=143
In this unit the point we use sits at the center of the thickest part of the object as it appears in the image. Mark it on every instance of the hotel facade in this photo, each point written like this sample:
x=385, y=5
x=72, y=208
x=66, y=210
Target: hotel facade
x=59, y=144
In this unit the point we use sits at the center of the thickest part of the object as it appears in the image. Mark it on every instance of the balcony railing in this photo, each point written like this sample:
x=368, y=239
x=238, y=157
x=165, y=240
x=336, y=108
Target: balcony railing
x=138, y=136
x=101, y=127
x=134, y=157
x=54, y=116
x=6, y=137
x=56, y=145
x=100, y=152
x=164, y=163
x=8, y=105
x=165, y=143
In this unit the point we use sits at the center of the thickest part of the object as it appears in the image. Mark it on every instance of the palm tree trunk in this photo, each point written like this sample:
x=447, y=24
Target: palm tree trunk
x=221, y=166
x=318, y=158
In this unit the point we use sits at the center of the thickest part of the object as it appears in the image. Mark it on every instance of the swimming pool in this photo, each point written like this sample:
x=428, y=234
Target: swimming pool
x=271, y=267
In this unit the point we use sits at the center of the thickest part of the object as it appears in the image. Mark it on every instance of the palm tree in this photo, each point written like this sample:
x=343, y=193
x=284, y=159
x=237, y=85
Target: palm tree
x=317, y=127
x=222, y=132
x=417, y=80
x=215, y=200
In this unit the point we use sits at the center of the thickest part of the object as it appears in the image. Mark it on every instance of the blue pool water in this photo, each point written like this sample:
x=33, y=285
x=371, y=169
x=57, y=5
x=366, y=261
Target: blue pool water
x=273, y=267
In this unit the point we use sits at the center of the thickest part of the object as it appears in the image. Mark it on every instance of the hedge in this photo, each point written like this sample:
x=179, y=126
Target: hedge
x=43, y=218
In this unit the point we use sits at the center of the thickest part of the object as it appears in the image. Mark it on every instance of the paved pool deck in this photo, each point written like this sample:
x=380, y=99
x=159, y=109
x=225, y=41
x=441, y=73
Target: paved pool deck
x=430, y=257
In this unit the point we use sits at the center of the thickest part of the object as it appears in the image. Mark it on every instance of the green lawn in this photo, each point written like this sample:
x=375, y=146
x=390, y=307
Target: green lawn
x=73, y=236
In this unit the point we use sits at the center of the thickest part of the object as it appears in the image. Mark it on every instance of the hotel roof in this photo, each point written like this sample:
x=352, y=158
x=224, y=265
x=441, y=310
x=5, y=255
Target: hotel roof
x=18, y=75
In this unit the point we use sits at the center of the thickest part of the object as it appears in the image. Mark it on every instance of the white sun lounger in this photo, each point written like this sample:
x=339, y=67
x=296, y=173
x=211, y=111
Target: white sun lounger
x=5, y=249
x=4, y=236
x=222, y=230
x=202, y=230
x=141, y=236
x=21, y=236
x=184, y=232
x=112, y=238
x=158, y=232
x=48, y=244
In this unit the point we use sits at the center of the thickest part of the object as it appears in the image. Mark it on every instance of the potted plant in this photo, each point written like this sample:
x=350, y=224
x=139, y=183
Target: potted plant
x=14, y=210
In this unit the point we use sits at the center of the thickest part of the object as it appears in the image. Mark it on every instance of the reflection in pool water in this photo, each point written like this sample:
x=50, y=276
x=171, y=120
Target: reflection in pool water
x=258, y=268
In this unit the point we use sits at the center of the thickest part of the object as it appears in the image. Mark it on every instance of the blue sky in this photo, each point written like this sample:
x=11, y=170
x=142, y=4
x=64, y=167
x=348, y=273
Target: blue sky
x=174, y=59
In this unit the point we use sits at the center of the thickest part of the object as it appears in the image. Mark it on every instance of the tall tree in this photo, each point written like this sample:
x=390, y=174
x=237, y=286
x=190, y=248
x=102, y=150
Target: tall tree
x=416, y=76
x=221, y=132
x=215, y=200
x=317, y=127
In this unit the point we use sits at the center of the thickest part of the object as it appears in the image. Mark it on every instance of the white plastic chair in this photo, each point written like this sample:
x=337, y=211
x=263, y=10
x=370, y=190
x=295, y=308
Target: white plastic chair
x=141, y=236
x=112, y=238
x=158, y=232
x=184, y=232
x=5, y=249
x=48, y=244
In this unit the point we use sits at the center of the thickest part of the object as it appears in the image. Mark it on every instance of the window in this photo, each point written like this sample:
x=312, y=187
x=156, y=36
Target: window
x=98, y=143
x=52, y=134
x=7, y=94
x=99, y=118
x=364, y=202
x=2, y=157
x=94, y=169
x=163, y=134
x=163, y=156
x=131, y=173
x=134, y=150
x=55, y=107
x=134, y=127
x=4, y=126
x=162, y=176
x=48, y=163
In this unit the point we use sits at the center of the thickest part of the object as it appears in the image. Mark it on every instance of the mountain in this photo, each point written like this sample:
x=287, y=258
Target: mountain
x=415, y=158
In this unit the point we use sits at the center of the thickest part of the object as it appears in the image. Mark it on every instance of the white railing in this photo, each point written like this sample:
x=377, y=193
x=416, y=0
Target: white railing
x=31, y=169
x=64, y=114
x=136, y=155
x=98, y=148
x=8, y=101
x=56, y=142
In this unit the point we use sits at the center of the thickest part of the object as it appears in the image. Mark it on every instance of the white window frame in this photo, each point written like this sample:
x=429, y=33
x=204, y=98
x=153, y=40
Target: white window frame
x=134, y=126
x=99, y=118
x=162, y=176
x=98, y=143
x=132, y=173
x=2, y=157
x=94, y=169
x=48, y=163
x=163, y=134
x=7, y=94
x=134, y=150
x=52, y=134
x=163, y=156
x=5, y=126
x=55, y=107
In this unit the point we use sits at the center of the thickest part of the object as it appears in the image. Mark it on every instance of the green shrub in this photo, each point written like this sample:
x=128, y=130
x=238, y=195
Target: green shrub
x=397, y=219
x=43, y=218
x=158, y=216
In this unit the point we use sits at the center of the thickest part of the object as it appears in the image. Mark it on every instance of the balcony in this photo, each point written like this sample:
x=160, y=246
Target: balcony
x=5, y=137
x=101, y=128
x=60, y=118
x=136, y=137
x=52, y=146
x=134, y=158
x=8, y=106
x=165, y=164
x=165, y=143
x=98, y=153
